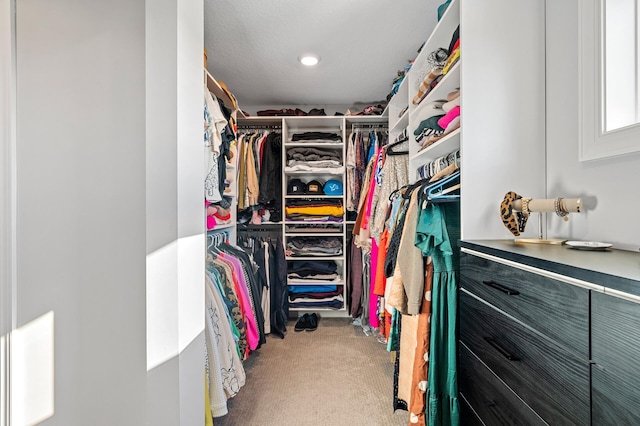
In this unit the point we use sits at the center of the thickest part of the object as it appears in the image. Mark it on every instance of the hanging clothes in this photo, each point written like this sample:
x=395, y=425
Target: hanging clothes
x=214, y=125
x=394, y=174
x=260, y=176
x=231, y=300
x=420, y=373
x=438, y=230
x=270, y=188
x=279, y=299
x=222, y=362
x=269, y=255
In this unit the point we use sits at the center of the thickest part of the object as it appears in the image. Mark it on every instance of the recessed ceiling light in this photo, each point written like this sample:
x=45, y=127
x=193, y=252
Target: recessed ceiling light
x=309, y=60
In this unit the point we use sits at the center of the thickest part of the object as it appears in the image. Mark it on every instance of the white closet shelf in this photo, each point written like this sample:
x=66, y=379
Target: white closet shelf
x=316, y=309
x=260, y=121
x=366, y=119
x=449, y=83
x=315, y=257
x=318, y=172
x=444, y=146
x=313, y=144
x=313, y=124
x=313, y=196
x=401, y=124
x=221, y=227
x=302, y=222
x=291, y=281
x=313, y=234
x=398, y=102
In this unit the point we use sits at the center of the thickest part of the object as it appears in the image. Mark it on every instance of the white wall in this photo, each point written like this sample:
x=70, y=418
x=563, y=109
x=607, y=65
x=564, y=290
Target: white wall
x=7, y=193
x=502, y=104
x=175, y=213
x=81, y=207
x=609, y=186
x=110, y=221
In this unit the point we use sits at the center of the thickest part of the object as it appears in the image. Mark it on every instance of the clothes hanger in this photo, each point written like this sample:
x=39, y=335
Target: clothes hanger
x=412, y=187
x=390, y=151
x=435, y=191
x=397, y=192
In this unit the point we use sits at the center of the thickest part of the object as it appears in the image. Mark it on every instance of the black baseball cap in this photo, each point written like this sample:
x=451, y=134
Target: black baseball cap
x=296, y=186
x=315, y=187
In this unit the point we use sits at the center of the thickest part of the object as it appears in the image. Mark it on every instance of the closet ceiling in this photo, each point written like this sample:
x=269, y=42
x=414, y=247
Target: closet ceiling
x=254, y=46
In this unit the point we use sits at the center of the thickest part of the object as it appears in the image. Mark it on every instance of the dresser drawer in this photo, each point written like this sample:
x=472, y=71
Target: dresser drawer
x=494, y=402
x=558, y=310
x=467, y=416
x=549, y=379
x=615, y=376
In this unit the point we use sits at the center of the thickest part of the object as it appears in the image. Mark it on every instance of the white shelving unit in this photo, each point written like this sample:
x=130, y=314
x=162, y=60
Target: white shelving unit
x=341, y=125
x=291, y=126
x=229, y=228
x=410, y=119
x=447, y=144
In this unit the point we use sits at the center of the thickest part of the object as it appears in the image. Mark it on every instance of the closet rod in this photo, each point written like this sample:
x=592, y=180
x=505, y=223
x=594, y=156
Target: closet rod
x=276, y=227
x=259, y=127
x=370, y=126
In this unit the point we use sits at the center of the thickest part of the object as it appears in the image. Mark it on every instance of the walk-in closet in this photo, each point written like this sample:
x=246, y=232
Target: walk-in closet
x=319, y=213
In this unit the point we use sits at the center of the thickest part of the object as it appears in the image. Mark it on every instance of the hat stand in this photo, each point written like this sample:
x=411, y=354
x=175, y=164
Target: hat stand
x=567, y=205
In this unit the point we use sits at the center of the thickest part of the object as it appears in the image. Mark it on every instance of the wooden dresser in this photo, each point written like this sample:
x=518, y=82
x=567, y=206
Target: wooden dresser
x=548, y=335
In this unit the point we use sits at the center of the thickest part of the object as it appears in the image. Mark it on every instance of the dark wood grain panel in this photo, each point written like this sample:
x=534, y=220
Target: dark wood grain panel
x=494, y=402
x=467, y=416
x=615, y=337
x=548, y=378
x=612, y=402
x=556, y=309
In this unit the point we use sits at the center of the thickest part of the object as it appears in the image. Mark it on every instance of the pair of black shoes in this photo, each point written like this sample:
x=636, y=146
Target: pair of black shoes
x=307, y=322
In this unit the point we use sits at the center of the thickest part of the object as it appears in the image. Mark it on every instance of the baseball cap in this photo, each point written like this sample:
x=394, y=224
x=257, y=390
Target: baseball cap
x=333, y=187
x=314, y=187
x=296, y=186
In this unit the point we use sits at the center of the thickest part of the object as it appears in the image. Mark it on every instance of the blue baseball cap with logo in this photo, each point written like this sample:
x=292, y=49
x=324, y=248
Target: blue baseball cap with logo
x=333, y=187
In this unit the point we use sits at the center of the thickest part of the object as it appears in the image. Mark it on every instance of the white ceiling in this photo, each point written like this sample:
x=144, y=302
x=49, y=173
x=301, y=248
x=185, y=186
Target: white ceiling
x=254, y=45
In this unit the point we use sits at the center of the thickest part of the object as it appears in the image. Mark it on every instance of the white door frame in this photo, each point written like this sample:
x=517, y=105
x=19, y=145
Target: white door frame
x=7, y=199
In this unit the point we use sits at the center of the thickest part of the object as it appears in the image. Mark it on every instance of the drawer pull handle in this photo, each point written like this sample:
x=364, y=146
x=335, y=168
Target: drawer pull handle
x=505, y=290
x=503, y=351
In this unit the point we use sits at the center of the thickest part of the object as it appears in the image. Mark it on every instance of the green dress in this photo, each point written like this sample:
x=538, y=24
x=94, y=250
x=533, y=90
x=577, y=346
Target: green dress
x=437, y=234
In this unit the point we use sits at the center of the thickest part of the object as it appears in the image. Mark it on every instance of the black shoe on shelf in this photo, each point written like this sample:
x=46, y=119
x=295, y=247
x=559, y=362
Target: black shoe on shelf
x=312, y=324
x=302, y=323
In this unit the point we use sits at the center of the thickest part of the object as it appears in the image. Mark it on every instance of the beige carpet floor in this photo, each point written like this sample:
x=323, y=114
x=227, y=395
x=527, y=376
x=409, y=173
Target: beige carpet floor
x=333, y=376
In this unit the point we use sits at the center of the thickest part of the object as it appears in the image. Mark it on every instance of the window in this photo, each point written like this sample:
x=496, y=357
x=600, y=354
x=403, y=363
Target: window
x=620, y=54
x=609, y=78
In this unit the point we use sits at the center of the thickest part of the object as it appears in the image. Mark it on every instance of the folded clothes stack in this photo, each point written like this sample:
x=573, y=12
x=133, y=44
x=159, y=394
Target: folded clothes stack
x=397, y=81
x=315, y=246
x=314, y=159
x=304, y=296
x=313, y=227
x=312, y=271
x=316, y=137
x=438, y=119
x=314, y=291
x=320, y=210
x=288, y=112
x=367, y=110
x=333, y=303
x=216, y=215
